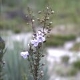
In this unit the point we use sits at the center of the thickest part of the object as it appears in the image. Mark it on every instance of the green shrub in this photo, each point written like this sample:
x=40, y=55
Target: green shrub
x=54, y=43
x=64, y=37
x=76, y=65
x=72, y=72
x=17, y=31
x=65, y=59
x=59, y=40
x=8, y=24
x=76, y=47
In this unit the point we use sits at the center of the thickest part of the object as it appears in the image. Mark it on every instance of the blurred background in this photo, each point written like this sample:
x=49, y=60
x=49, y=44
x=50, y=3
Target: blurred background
x=62, y=47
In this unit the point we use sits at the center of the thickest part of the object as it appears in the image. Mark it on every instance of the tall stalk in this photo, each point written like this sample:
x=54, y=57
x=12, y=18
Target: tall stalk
x=35, y=53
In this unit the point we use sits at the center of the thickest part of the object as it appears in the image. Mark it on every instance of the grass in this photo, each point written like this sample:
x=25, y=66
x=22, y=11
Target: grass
x=66, y=11
x=15, y=25
x=76, y=47
x=65, y=59
x=76, y=65
x=66, y=71
x=72, y=72
x=59, y=40
x=8, y=24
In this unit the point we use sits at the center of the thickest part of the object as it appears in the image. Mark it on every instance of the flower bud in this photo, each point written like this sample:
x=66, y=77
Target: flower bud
x=38, y=19
x=42, y=55
x=42, y=21
x=35, y=64
x=27, y=23
x=41, y=72
x=33, y=20
x=43, y=64
x=47, y=7
x=35, y=57
x=52, y=12
x=50, y=23
x=39, y=12
x=47, y=18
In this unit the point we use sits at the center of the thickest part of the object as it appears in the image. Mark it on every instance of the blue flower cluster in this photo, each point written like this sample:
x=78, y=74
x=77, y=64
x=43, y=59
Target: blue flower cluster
x=39, y=38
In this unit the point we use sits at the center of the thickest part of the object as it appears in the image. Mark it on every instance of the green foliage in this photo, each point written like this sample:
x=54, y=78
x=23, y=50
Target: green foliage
x=65, y=59
x=17, y=30
x=72, y=72
x=76, y=47
x=54, y=43
x=67, y=71
x=76, y=65
x=66, y=11
x=15, y=66
x=13, y=3
x=8, y=24
x=59, y=40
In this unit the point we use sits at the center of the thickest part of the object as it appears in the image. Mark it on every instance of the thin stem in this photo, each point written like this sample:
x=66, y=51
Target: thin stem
x=31, y=68
x=44, y=25
x=31, y=20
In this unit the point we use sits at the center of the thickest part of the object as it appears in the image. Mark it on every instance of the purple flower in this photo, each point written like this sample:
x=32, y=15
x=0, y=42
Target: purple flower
x=40, y=33
x=24, y=54
x=34, y=42
x=41, y=38
x=38, y=38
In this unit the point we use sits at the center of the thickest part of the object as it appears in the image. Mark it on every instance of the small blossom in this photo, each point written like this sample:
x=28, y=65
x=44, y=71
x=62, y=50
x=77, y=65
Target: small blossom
x=24, y=54
x=40, y=33
x=34, y=42
x=41, y=38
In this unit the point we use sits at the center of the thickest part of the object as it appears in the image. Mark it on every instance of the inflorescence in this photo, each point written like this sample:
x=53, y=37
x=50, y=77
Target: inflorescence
x=34, y=53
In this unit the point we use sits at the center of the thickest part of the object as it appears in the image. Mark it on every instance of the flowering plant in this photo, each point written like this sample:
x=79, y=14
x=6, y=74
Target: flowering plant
x=34, y=53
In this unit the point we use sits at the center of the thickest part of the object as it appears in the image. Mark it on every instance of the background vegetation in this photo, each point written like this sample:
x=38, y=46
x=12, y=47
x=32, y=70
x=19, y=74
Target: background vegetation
x=13, y=12
x=13, y=17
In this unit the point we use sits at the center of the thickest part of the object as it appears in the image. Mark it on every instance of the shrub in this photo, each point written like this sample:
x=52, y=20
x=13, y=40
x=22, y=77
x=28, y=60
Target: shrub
x=59, y=40
x=76, y=47
x=65, y=59
x=72, y=72
x=76, y=65
x=7, y=24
